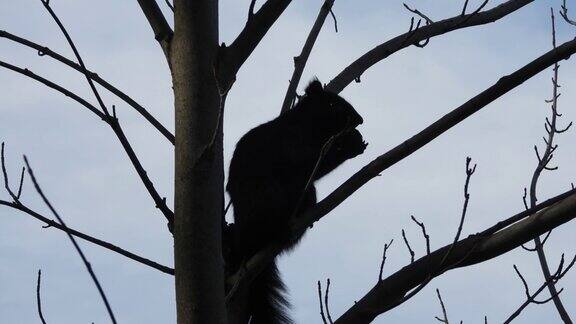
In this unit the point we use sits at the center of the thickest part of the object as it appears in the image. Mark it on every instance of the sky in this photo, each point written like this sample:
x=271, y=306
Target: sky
x=87, y=176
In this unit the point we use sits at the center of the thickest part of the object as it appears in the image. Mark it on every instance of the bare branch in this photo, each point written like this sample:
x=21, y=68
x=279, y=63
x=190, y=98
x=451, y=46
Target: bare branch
x=115, y=125
x=162, y=31
x=301, y=60
x=564, y=14
x=386, y=246
x=444, y=318
x=326, y=301
x=5, y=174
x=46, y=4
x=321, y=303
x=531, y=298
x=408, y=246
x=170, y=5
x=543, y=162
x=474, y=249
x=234, y=56
x=72, y=239
x=45, y=51
x=426, y=236
x=382, y=51
x=38, y=299
x=91, y=239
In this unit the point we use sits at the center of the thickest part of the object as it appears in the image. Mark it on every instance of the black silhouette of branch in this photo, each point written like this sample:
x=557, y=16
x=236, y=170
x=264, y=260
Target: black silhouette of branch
x=73, y=240
x=301, y=60
x=321, y=303
x=444, y=318
x=18, y=205
x=424, y=234
x=91, y=239
x=45, y=51
x=382, y=51
x=162, y=31
x=383, y=162
x=531, y=298
x=386, y=246
x=433, y=272
x=471, y=250
x=112, y=121
x=408, y=246
x=543, y=164
x=564, y=14
x=326, y=317
x=38, y=298
x=46, y=4
x=234, y=56
x=170, y=5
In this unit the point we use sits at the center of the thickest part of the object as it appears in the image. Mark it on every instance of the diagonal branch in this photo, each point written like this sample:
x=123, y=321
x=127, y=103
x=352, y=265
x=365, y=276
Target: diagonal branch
x=234, y=56
x=472, y=250
x=403, y=150
x=162, y=31
x=382, y=51
x=43, y=50
x=73, y=240
x=300, y=60
x=86, y=237
x=112, y=121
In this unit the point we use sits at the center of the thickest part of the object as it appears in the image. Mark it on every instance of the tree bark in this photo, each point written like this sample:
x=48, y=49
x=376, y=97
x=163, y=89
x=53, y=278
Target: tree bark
x=199, y=174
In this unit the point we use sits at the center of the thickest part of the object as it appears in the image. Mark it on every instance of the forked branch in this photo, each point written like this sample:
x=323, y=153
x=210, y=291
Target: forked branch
x=382, y=51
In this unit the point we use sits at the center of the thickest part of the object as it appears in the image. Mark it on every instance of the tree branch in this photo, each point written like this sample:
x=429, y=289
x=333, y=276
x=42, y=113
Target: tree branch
x=162, y=31
x=73, y=240
x=382, y=51
x=86, y=237
x=472, y=250
x=112, y=121
x=43, y=50
x=39, y=299
x=234, y=56
x=301, y=60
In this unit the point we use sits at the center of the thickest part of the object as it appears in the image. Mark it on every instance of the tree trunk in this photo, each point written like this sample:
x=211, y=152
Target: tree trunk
x=199, y=174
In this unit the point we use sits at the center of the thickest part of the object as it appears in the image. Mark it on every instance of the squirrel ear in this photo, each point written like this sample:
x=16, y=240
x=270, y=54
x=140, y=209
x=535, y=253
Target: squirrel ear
x=314, y=87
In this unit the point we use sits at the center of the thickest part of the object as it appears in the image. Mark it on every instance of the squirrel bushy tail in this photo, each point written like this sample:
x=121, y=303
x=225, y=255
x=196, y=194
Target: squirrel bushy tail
x=267, y=300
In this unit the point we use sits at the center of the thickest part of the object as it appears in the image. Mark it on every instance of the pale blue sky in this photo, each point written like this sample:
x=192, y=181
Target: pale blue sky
x=87, y=176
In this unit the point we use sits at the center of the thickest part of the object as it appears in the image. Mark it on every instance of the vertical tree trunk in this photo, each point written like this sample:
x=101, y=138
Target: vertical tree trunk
x=199, y=165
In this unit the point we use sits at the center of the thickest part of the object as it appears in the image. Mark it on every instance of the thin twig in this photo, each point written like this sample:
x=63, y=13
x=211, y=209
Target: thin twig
x=321, y=303
x=564, y=14
x=326, y=301
x=170, y=5
x=301, y=60
x=38, y=298
x=531, y=298
x=5, y=173
x=45, y=51
x=46, y=4
x=444, y=318
x=408, y=246
x=543, y=161
x=73, y=240
x=115, y=125
x=426, y=236
x=88, y=238
x=386, y=246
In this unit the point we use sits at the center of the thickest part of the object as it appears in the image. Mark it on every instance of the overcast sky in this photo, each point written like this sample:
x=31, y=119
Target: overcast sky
x=85, y=172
